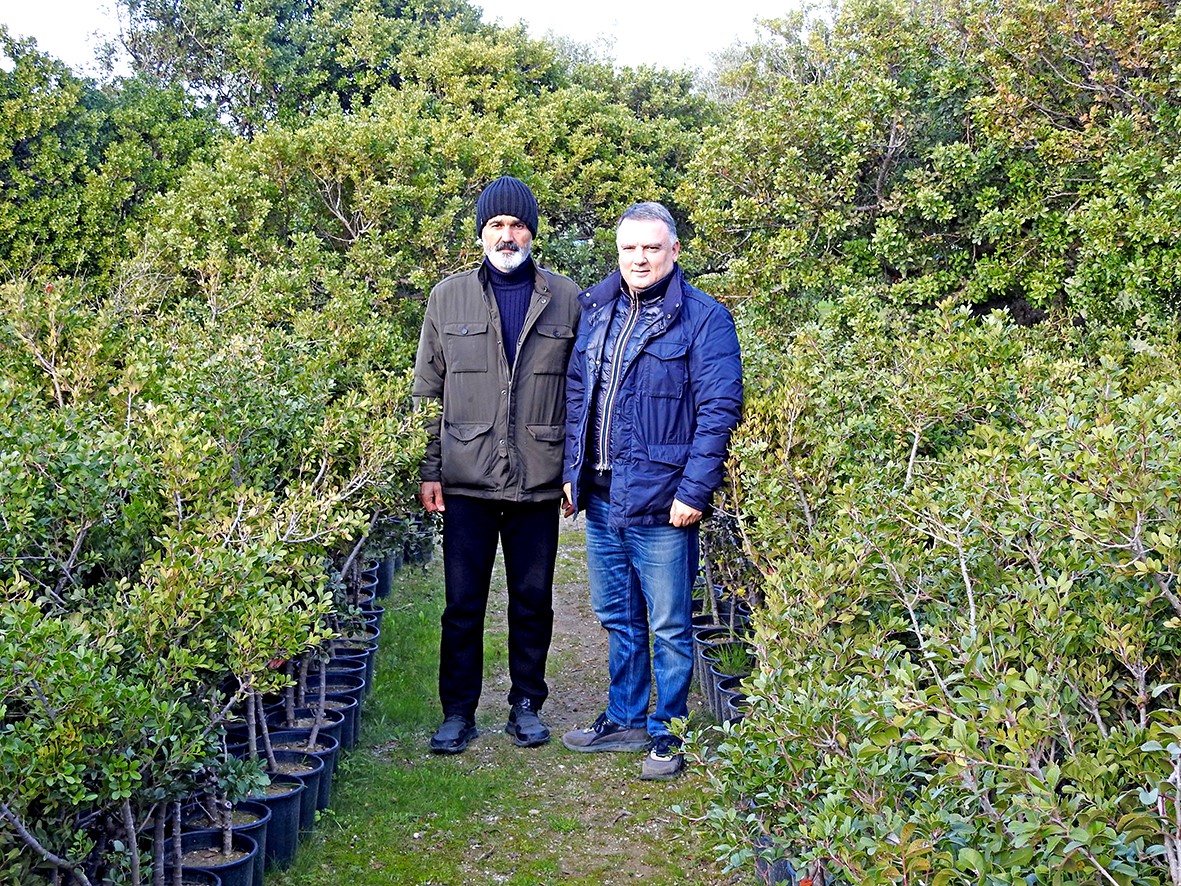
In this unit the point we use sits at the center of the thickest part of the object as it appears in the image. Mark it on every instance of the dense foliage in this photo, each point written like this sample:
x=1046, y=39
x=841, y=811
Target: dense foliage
x=962, y=528
x=968, y=646
x=984, y=151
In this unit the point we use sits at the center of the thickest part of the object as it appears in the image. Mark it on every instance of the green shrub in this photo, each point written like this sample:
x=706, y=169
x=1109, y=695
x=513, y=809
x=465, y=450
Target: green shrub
x=968, y=650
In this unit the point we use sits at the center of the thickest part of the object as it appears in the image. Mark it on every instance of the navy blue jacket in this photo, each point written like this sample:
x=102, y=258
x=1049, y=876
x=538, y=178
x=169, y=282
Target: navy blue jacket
x=680, y=400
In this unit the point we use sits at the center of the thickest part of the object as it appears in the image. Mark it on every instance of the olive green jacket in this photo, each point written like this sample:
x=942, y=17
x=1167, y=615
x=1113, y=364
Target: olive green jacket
x=501, y=429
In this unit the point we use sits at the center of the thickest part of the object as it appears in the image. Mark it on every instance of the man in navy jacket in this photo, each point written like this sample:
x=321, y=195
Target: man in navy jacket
x=653, y=393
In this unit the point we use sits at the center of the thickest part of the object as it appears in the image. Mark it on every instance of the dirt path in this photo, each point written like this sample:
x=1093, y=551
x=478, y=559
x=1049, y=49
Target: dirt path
x=602, y=823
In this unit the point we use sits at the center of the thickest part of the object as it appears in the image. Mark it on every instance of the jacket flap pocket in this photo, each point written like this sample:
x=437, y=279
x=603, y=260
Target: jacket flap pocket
x=666, y=349
x=675, y=454
x=474, y=327
x=554, y=330
x=468, y=430
x=548, y=433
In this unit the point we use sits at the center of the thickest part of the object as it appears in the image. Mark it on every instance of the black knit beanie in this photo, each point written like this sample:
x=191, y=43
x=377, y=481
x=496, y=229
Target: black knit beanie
x=507, y=196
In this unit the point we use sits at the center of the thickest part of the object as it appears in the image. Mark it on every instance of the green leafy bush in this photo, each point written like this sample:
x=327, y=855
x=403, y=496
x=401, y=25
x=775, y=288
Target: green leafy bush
x=968, y=650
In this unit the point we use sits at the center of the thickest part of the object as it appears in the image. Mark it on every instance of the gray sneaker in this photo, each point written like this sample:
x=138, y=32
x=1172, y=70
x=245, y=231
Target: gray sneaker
x=664, y=760
x=604, y=735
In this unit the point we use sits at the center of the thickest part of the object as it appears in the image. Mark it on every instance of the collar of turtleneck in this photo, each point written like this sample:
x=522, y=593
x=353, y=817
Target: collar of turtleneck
x=518, y=276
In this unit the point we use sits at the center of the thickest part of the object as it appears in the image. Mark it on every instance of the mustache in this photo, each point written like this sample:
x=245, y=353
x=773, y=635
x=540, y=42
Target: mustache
x=507, y=246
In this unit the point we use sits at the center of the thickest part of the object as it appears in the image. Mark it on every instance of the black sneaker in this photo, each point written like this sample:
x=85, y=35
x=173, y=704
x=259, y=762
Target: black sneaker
x=664, y=760
x=454, y=735
x=606, y=735
x=525, y=726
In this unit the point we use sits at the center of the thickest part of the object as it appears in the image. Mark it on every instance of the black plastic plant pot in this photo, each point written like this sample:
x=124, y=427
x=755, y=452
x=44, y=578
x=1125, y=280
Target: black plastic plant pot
x=385, y=577
x=250, y=818
x=332, y=725
x=728, y=690
x=350, y=708
x=327, y=749
x=736, y=708
x=703, y=639
x=368, y=634
x=202, y=851
x=308, y=768
x=191, y=877
x=282, y=797
x=372, y=614
x=358, y=650
x=357, y=668
x=348, y=684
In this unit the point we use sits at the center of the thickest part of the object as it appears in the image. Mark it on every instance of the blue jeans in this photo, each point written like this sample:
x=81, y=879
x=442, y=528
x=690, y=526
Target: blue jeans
x=641, y=578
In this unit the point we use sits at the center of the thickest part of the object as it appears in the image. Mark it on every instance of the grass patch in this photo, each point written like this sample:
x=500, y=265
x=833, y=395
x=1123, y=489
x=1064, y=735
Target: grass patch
x=496, y=813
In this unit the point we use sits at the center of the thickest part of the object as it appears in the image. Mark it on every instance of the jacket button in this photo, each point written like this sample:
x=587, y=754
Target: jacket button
x=463, y=331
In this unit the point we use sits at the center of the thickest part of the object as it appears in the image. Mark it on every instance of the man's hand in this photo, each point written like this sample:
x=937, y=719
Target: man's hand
x=431, y=494
x=567, y=505
x=682, y=515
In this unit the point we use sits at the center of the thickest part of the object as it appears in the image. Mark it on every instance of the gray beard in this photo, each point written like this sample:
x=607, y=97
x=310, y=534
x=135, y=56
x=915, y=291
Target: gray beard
x=507, y=261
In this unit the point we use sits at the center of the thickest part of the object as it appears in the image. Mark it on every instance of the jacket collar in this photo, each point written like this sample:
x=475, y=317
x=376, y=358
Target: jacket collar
x=604, y=293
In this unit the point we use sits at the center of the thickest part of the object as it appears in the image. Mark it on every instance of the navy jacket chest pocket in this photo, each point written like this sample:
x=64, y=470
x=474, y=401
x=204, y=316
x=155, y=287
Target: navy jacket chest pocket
x=665, y=368
x=466, y=346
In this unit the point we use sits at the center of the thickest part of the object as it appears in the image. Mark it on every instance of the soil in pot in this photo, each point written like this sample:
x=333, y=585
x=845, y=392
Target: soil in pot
x=327, y=749
x=305, y=719
x=308, y=768
x=202, y=850
x=246, y=817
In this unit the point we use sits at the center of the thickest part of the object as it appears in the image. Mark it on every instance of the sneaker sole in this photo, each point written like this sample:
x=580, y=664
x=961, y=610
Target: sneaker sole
x=662, y=776
x=455, y=749
x=608, y=746
x=522, y=742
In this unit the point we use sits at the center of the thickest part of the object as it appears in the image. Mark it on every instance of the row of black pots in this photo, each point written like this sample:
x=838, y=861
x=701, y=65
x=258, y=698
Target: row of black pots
x=731, y=610
x=709, y=639
x=303, y=786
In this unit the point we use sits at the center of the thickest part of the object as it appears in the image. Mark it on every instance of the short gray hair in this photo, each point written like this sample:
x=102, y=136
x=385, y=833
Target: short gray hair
x=650, y=211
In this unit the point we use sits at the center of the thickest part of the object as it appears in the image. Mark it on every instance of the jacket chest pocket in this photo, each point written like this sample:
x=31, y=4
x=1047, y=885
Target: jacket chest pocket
x=553, y=342
x=665, y=368
x=466, y=346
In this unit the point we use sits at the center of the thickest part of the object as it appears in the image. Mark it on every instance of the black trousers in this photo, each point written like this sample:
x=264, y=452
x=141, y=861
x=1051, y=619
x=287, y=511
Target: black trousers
x=528, y=535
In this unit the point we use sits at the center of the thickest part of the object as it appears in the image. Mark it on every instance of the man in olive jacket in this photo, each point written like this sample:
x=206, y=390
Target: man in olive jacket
x=493, y=352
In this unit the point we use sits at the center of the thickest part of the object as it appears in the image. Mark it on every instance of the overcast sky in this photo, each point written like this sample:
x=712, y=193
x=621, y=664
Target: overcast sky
x=665, y=33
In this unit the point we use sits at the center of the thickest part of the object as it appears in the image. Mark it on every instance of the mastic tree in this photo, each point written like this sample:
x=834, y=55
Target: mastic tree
x=268, y=60
x=967, y=539
x=994, y=153
x=381, y=198
x=77, y=162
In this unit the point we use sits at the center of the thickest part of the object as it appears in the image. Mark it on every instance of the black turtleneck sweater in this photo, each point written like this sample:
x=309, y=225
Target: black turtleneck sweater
x=513, y=292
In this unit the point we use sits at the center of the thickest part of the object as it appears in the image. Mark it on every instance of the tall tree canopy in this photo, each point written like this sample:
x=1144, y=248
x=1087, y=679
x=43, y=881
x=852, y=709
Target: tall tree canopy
x=986, y=151
x=264, y=60
x=77, y=163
